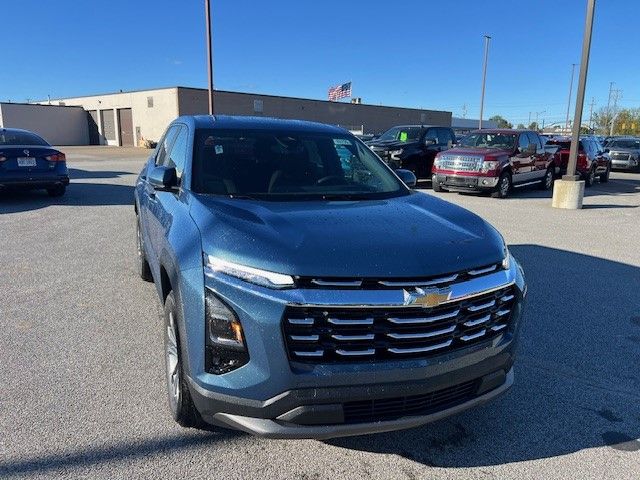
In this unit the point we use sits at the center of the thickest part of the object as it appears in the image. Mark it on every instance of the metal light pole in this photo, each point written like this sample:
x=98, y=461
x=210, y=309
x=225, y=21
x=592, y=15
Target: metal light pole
x=537, y=115
x=568, y=193
x=484, y=77
x=573, y=68
x=582, y=83
x=207, y=6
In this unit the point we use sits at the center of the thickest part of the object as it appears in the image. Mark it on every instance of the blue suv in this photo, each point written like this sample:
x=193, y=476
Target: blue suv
x=308, y=292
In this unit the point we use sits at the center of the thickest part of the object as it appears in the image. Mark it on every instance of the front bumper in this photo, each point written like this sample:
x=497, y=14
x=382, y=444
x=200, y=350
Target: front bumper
x=274, y=396
x=464, y=183
x=322, y=421
x=629, y=164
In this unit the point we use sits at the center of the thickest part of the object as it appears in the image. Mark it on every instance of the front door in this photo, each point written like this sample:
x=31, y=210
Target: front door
x=125, y=124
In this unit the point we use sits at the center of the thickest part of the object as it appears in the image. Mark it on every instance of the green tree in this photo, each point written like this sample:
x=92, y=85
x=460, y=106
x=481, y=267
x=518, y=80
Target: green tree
x=533, y=126
x=501, y=122
x=625, y=121
x=521, y=126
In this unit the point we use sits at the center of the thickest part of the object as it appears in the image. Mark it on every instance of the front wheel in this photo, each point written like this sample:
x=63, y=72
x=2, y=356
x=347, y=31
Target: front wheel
x=590, y=178
x=547, y=182
x=435, y=185
x=182, y=408
x=503, y=187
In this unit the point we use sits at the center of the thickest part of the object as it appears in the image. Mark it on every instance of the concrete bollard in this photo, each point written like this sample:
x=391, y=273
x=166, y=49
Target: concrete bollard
x=568, y=194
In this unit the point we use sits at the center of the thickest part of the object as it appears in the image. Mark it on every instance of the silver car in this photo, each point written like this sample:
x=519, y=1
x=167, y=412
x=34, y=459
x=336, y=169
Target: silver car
x=625, y=153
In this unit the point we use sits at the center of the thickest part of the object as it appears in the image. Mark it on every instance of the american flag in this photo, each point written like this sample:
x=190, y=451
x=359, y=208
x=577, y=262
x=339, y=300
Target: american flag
x=340, y=91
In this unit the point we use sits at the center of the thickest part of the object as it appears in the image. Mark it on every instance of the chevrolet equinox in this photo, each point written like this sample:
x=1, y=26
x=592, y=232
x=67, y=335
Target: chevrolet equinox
x=308, y=292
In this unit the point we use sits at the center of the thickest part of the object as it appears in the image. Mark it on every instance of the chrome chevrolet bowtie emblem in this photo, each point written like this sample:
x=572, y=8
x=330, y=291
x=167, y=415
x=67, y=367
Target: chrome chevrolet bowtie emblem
x=427, y=297
x=26, y=152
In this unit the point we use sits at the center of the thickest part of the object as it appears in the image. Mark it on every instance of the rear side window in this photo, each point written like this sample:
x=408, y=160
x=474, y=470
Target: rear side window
x=8, y=137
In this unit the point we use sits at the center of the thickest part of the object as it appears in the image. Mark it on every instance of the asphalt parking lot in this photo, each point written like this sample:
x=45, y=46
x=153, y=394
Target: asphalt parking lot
x=83, y=392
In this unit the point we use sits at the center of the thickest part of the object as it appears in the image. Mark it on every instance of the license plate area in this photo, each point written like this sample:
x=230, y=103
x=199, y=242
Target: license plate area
x=27, y=161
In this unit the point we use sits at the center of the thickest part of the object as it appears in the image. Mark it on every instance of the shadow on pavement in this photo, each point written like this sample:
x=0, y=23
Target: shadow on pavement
x=78, y=193
x=577, y=379
x=115, y=453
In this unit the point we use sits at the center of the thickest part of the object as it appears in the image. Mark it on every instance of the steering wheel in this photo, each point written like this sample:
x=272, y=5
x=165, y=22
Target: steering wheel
x=331, y=180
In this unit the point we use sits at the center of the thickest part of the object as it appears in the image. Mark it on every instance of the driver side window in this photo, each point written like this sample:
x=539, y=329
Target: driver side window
x=165, y=144
x=523, y=142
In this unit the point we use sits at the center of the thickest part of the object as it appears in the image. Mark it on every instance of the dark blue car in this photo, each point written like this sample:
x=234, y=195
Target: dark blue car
x=308, y=292
x=27, y=161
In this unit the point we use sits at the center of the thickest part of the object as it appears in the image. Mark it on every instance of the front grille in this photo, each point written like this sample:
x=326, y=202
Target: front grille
x=424, y=404
x=620, y=156
x=395, y=283
x=343, y=334
x=461, y=163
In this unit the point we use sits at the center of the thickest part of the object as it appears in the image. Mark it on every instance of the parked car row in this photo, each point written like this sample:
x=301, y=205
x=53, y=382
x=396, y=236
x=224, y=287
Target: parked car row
x=499, y=160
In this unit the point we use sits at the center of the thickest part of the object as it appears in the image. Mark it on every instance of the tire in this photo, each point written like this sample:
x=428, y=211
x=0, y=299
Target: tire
x=590, y=178
x=547, y=181
x=604, y=177
x=181, y=405
x=435, y=185
x=504, y=186
x=144, y=270
x=57, y=190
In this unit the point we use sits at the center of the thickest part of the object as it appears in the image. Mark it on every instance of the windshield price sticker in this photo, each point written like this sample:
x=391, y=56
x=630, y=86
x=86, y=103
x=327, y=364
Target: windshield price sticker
x=219, y=149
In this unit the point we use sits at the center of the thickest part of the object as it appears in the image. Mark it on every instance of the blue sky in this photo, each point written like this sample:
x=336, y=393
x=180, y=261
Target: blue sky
x=414, y=53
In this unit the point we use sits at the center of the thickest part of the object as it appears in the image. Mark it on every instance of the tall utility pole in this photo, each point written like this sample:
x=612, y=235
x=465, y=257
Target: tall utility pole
x=582, y=83
x=611, y=84
x=207, y=6
x=591, y=105
x=529, y=119
x=464, y=111
x=616, y=94
x=484, y=77
x=568, y=193
x=573, y=68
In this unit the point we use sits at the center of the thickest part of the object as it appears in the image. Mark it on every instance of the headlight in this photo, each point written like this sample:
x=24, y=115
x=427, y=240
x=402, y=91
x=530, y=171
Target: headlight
x=264, y=278
x=437, y=162
x=489, y=165
x=225, y=346
x=506, y=261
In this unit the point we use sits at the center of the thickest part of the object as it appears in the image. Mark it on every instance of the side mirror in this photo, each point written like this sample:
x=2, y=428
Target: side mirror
x=163, y=178
x=407, y=177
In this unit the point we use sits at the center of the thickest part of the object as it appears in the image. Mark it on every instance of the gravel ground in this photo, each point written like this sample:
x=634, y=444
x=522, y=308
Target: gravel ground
x=83, y=392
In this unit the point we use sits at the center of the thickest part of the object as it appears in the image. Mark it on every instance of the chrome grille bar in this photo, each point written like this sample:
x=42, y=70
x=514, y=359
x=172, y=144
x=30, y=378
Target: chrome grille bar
x=414, y=320
x=476, y=308
x=466, y=338
x=348, y=338
x=430, y=348
x=414, y=336
x=478, y=321
x=348, y=321
x=436, y=281
x=352, y=353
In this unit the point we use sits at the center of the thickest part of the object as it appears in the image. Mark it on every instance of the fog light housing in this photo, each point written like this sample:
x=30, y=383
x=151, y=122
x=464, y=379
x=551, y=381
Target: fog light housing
x=226, y=348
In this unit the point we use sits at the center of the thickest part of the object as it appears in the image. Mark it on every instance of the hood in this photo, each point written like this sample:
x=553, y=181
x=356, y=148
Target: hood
x=390, y=144
x=411, y=236
x=477, y=151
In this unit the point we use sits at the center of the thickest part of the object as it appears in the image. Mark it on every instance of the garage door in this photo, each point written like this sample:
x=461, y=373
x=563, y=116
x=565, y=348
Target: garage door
x=108, y=124
x=125, y=123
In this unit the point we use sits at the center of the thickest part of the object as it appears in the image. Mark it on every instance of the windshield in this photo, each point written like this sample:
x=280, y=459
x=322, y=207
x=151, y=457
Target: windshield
x=629, y=143
x=403, y=134
x=8, y=137
x=489, y=140
x=289, y=165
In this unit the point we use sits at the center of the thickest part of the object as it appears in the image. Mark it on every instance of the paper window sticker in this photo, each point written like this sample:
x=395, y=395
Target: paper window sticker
x=219, y=149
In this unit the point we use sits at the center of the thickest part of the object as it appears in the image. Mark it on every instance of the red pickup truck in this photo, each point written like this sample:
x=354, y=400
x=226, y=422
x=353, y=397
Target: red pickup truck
x=495, y=161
